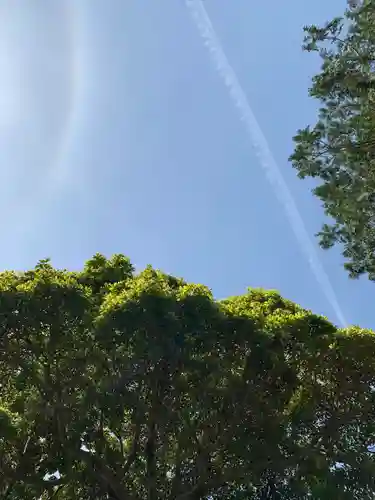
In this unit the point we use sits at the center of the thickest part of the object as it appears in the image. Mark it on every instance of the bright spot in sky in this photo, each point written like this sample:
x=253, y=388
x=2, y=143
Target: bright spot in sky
x=38, y=100
x=10, y=87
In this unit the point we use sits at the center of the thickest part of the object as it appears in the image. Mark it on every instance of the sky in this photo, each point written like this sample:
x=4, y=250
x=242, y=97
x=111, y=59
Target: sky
x=119, y=135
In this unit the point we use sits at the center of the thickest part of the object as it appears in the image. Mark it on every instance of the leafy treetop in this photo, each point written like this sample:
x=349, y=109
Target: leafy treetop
x=339, y=150
x=124, y=386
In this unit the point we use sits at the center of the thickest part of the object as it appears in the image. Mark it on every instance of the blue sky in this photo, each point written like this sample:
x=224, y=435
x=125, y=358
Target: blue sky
x=118, y=135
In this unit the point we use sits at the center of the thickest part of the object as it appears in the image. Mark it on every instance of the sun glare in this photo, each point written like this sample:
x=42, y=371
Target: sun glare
x=11, y=92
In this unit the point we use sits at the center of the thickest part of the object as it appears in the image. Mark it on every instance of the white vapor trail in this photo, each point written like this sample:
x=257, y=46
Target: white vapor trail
x=262, y=150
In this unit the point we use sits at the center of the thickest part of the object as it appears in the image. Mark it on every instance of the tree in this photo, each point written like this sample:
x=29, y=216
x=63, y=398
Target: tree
x=339, y=151
x=124, y=386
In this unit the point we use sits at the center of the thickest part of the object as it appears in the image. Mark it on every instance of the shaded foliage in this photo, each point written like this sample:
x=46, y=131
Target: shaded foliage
x=339, y=150
x=143, y=386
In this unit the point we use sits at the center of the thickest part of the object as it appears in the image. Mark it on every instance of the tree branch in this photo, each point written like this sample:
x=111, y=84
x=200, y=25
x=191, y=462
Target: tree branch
x=134, y=450
x=150, y=455
x=105, y=476
x=176, y=482
x=203, y=488
x=56, y=492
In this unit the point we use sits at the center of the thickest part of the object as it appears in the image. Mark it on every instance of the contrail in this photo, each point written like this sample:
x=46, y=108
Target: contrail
x=262, y=150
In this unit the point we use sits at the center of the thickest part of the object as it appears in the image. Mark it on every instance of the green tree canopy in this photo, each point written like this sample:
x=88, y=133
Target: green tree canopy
x=124, y=386
x=339, y=150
